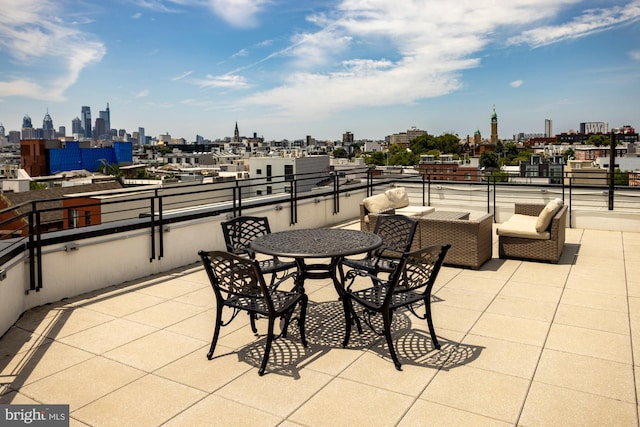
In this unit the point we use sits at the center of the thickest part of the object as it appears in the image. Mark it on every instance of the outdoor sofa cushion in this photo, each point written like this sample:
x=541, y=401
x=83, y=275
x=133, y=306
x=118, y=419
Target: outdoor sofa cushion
x=545, y=217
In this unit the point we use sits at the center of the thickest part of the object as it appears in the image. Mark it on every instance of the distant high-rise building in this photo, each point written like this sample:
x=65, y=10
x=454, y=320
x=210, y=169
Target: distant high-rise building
x=594, y=127
x=347, y=138
x=1, y=130
x=85, y=114
x=142, y=139
x=62, y=131
x=99, y=130
x=76, y=126
x=548, y=128
x=48, y=131
x=106, y=116
x=494, y=126
x=28, y=132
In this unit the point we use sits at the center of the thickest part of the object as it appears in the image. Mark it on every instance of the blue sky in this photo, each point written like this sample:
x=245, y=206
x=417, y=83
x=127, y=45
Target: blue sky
x=287, y=69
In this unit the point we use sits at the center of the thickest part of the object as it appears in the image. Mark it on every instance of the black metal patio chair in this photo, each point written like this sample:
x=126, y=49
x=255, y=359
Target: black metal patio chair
x=239, y=284
x=397, y=233
x=408, y=286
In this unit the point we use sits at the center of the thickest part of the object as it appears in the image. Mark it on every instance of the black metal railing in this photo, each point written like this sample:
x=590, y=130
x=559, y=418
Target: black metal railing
x=31, y=226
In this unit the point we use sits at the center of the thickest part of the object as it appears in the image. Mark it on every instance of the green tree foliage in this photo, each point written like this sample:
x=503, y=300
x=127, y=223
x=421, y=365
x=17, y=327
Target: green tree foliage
x=400, y=156
x=340, y=153
x=446, y=144
x=488, y=160
x=621, y=178
x=376, y=158
x=568, y=154
x=598, y=140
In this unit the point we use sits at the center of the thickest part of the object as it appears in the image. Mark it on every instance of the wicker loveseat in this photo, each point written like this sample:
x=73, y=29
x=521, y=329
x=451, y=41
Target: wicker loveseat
x=471, y=239
x=394, y=200
x=517, y=239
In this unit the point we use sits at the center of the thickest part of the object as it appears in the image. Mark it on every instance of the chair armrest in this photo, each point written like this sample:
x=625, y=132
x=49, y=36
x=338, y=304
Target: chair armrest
x=530, y=209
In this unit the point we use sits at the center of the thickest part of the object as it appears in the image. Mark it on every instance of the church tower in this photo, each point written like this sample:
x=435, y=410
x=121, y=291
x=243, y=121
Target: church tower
x=494, y=126
x=236, y=134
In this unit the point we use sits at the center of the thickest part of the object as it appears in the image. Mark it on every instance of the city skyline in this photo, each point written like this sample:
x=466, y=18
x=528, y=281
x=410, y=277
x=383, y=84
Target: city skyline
x=289, y=69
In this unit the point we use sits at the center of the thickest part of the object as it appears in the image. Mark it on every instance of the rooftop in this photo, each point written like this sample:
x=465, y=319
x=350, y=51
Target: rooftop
x=523, y=343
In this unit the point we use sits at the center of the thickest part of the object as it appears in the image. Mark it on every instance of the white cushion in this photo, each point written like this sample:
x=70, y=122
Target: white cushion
x=377, y=203
x=398, y=197
x=522, y=226
x=415, y=211
x=545, y=217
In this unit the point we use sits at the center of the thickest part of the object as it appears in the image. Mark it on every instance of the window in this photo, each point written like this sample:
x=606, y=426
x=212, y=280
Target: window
x=269, y=174
x=258, y=171
x=288, y=172
x=269, y=189
x=87, y=217
x=467, y=176
x=73, y=218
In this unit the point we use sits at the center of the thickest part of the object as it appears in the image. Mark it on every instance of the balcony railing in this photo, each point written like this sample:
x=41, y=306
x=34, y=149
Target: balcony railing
x=51, y=248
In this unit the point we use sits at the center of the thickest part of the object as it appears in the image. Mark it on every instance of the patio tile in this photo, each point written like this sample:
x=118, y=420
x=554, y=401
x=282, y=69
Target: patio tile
x=65, y=321
x=147, y=401
x=599, y=300
x=423, y=413
x=39, y=362
x=587, y=374
x=83, y=383
x=529, y=272
x=164, y=314
x=410, y=381
x=597, y=283
x=220, y=411
x=352, y=403
x=476, y=283
x=202, y=298
x=123, y=304
x=534, y=291
x=154, y=350
x=461, y=298
x=17, y=340
x=506, y=357
x=169, y=289
x=589, y=342
x=592, y=318
x=199, y=326
x=453, y=318
x=102, y=338
x=487, y=393
x=552, y=406
x=523, y=307
x=196, y=371
x=525, y=331
x=264, y=392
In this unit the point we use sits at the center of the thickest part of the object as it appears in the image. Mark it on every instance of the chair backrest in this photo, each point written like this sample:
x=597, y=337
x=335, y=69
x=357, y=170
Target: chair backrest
x=417, y=271
x=239, y=232
x=397, y=233
x=234, y=277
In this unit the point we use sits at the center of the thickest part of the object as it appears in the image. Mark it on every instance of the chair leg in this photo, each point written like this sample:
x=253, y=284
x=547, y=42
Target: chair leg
x=387, y=317
x=303, y=316
x=252, y=318
x=348, y=310
x=267, y=348
x=216, y=331
x=432, y=331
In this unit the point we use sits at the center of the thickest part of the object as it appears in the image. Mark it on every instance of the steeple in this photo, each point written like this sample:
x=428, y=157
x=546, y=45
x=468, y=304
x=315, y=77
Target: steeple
x=236, y=134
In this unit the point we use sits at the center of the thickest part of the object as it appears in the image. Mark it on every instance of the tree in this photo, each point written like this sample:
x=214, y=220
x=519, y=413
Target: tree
x=340, y=153
x=488, y=160
x=377, y=158
x=598, y=140
x=568, y=154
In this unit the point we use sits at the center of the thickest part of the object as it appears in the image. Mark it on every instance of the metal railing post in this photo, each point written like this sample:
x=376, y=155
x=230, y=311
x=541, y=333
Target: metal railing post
x=32, y=249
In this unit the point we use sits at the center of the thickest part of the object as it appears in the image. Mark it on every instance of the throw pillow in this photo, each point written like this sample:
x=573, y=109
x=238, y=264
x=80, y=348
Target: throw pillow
x=398, y=197
x=545, y=217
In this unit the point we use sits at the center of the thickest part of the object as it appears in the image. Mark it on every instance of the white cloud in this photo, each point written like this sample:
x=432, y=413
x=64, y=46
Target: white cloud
x=227, y=81
x=516, y=83
x=635, y=55
x=136, y=15
x=377, y=52
x=142, y=94
x=238, y=13
x=182, y=76
x=591, y=21
x=30, y=40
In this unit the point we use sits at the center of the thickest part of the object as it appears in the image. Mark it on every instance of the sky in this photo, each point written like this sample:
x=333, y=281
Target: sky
x=287, y=69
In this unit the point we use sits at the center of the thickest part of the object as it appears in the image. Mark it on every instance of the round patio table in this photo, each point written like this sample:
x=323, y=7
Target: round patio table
x=318, y=243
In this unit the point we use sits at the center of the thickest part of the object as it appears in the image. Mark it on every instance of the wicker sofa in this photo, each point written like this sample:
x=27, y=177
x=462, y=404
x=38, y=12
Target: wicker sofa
x=545, y=245
x=471, y=239
x=394, y=200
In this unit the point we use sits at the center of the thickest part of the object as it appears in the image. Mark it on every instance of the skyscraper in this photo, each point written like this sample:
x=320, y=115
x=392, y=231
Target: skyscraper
x=85, y=114
x=106, y=116
x=76, y=127
x=48, y=131
x=548, y=128
x=28, y=132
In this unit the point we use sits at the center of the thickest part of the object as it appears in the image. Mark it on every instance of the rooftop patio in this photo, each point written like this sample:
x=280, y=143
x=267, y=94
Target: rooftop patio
x=523, y=343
